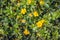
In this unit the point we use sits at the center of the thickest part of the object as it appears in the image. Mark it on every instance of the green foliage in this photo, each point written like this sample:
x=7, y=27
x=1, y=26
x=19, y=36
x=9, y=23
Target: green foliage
x=13, y=23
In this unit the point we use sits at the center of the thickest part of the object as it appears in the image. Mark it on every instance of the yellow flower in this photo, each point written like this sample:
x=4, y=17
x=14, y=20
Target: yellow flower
x=29, y=1
x=42, y=2
x=23, y=21
x=40, y=23
x=23, y=11
x=30, y=15
x=26, y=32
x=35, y=13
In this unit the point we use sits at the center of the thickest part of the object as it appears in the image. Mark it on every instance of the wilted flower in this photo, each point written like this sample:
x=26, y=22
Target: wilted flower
x=18, y=4
x=38, y=34
x=18, y=17
x=30, y=15
x=1, y=31
x=23, y=21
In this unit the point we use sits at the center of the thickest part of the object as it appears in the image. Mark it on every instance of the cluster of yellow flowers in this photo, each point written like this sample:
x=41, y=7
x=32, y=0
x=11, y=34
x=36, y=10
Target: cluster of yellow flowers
x=39, y=24
x=35, y=13
x=41, y=2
